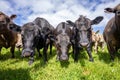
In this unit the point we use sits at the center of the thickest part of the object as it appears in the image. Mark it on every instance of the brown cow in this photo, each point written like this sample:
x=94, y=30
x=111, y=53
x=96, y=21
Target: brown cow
x=97, y=41
x=112, y=31
x=19, y=42
x=8, y=38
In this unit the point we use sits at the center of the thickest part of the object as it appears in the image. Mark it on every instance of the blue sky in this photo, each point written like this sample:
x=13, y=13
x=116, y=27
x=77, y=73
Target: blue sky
x=56, y=11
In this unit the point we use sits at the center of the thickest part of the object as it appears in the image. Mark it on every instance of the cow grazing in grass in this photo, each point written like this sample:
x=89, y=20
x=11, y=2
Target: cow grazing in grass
x=112, y=31
x=37, y=35
x=97, y=41
x=62, y=41
x=8, y=38
x=82, y=34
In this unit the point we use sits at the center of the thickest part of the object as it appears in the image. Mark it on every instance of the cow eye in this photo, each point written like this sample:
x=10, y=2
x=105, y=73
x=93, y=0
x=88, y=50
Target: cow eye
x=58, y=45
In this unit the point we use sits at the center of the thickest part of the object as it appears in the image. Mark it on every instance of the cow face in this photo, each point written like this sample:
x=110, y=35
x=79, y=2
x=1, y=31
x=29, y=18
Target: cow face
x=30, y=34
x=115, y=10
x=83, y=29
x=62, y=44
x=6, y=22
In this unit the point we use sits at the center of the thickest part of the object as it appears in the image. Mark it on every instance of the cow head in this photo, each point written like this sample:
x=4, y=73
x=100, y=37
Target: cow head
x=62, y=43
x=30, y=34
x=115, y=10
x=6, y=22
x=82, y=27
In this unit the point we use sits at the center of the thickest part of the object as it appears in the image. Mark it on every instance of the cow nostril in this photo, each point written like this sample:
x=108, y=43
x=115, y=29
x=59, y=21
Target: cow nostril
x=64, y=57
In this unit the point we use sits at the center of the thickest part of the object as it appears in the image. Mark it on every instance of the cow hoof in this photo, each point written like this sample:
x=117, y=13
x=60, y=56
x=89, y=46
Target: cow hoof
x=57, y=58
x=91, y=60
x=30, y=62
x=40, y=55
x=13, y=57
x=75, y=61
x=112, y=60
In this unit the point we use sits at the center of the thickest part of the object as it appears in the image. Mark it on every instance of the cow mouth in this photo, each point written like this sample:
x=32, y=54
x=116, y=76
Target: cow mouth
x=84, y=44
x=26, y=54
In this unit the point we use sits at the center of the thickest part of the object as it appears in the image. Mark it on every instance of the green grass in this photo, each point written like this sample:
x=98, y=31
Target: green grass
x=18, y=69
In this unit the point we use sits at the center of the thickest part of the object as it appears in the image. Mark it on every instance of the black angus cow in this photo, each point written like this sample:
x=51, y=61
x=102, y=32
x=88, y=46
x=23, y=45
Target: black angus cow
x=35, y=34
x=111, y=32
x=8, y=38
x=62, y=40
x=82, y=35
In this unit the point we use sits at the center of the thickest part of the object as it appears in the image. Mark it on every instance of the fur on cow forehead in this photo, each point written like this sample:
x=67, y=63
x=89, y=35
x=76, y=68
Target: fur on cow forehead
x=63, y=37
x=30, y=26
x=83, y=18
x=1, y=13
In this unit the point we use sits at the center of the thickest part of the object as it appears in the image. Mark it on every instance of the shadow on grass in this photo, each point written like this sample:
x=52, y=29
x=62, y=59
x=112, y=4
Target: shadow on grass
x=41, y=63
x=64, y=64
x=17, y=74
x=7, y=55
x=104, y=56
x=82, y=55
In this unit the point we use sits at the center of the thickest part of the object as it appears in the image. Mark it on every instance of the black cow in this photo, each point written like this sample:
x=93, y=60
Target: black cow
x=62, y=41
x=35, y=34
x=111, y=32
x=82, y=34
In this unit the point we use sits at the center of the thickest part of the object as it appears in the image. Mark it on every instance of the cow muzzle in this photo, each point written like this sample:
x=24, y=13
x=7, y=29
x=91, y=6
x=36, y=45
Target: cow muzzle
x=84, y=44
x=27, y=53
x=63, y=57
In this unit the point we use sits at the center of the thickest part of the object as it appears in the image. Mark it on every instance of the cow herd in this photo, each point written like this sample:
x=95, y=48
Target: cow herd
x=40, y=34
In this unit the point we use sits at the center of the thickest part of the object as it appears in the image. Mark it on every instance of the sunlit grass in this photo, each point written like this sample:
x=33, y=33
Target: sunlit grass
x=18, y=69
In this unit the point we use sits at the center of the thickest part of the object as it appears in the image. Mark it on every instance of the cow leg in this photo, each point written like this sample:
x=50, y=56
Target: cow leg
x=51, y=42
x=111, y=51
x=102, y=46
x=12, y=51
x=58, y=56
x=45, y=51
x=89, y=49
x=96, y=47
x=31, y=60
x=0, y=50
x=76, y=51
x=39, y=54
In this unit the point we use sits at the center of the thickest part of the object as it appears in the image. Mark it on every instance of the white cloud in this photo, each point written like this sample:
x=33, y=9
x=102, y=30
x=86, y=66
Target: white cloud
x=56, y=11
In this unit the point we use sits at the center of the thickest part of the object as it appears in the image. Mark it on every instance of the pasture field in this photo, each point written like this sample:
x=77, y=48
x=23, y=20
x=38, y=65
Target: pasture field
x=18, y=69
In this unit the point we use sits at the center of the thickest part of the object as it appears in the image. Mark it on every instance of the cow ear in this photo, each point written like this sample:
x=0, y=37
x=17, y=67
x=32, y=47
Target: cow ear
x=13, y=16
x=109, y=10
x=70, y=23
x=97, y=20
